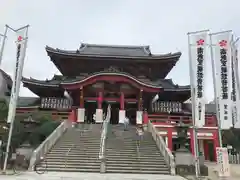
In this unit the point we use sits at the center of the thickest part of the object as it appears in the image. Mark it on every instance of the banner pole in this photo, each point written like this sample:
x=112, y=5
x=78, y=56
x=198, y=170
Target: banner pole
x=216, y=98
x=3, y=44
x=235, y=79
x=14, y=96
x=196, y=154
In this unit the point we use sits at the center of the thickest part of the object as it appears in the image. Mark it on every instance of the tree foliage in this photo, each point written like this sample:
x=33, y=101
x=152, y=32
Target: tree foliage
x=44, y=126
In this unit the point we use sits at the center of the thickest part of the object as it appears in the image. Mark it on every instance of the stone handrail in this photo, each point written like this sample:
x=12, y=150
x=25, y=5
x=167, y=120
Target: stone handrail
x=167, y=154
x=102, y=151
x=48, y=143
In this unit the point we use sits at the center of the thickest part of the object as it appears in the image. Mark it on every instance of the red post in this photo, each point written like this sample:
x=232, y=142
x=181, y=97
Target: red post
x=145, y=117
x=72, y=116
x=206, y=149
x=170, y=144
x=81, y=98
x=100, y=99
x=192, y=141
x=140, y=100
x=215, y=144
x=122, y=101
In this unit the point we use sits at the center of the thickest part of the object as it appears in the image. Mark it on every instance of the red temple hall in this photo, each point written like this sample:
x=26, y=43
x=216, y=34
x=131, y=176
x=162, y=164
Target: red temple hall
x=132, y=80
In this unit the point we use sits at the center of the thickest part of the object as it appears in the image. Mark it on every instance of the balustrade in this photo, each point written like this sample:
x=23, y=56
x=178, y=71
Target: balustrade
x=174, y=119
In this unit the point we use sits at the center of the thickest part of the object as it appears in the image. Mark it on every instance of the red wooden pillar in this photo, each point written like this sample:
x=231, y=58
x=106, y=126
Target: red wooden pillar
x=122, y=101
x=81, y=98
x=170, y=143
x=215, y=144
x=100, y=99
x=192, y=141
x=140, y=102
x=206, y=149
x=145, y=117
x=73, y=116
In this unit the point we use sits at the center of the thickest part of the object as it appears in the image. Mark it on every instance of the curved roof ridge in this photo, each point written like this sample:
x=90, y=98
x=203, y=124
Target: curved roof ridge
x=146, y=53
x=115, y=46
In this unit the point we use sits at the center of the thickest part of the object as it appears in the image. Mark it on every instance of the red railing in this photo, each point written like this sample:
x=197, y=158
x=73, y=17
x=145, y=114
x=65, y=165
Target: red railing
x=175, y=119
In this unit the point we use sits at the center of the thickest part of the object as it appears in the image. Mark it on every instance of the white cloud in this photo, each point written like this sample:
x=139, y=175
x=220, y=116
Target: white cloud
x=64, y=24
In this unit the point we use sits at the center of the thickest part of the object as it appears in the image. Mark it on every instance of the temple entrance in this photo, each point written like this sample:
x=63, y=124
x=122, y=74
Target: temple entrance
x=90, y=110
x=131, y=109
x=114, y=110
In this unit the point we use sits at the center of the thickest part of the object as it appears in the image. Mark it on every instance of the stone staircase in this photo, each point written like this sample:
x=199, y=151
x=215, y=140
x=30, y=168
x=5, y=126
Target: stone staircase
x=77, y=150
x=124, y=156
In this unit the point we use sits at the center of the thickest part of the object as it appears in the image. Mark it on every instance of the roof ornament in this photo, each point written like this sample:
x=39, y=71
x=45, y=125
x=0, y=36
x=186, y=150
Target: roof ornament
x=112, y=69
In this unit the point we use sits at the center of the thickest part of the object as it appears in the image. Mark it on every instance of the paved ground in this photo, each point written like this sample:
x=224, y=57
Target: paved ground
x=86, y=176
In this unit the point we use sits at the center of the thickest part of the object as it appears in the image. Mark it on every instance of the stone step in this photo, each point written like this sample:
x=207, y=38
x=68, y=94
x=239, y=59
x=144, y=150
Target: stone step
x=77, y=145
x=73, y=153
x=136, y=164
x=150, y=151
x=70, y=141
x=133, y=155
x=142, y=171
x=87, y=166
x=77, y=156
x=70, y=169
x=118, y=167
x=114, y=159
x=82, y=148
x=72, y=163
x=72, y=158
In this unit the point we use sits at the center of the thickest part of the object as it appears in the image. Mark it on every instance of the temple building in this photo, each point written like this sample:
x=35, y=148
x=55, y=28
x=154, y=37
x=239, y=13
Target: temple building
x=131, y=79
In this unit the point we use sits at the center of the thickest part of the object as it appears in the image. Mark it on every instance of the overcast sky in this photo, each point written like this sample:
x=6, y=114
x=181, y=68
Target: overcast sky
x=66, y=23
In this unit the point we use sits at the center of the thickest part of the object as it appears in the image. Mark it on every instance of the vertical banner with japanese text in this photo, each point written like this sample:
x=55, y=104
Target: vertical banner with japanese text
x=197, y=53
x=222, y=54
x=21, y=44
x=235, y=86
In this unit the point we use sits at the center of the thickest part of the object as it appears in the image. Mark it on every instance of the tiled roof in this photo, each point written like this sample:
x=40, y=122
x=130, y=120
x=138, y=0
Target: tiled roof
x=114, y=50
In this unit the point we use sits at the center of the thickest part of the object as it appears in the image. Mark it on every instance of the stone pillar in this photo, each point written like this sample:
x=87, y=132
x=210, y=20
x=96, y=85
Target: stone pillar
x=80, y=115
x=122, y=112
x=99, y=111
x=139, y=113
x=192, y=141
x=81, y=109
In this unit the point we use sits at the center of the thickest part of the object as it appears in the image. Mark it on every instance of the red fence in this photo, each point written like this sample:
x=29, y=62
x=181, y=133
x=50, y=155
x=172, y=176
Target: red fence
x=175, y=119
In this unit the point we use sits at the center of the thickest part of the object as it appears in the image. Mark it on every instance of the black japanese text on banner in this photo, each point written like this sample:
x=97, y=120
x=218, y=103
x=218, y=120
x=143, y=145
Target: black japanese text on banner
x=21, y=44
x=235, y=86
x=221, y=44
x=197, y=48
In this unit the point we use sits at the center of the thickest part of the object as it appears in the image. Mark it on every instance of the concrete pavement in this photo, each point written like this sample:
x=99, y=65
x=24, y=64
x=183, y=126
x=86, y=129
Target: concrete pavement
x=86, y=176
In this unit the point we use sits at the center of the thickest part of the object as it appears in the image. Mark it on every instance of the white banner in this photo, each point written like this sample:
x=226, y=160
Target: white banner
x=235, y=86
x=222, y=55
x=197, y=53
x=20, y=56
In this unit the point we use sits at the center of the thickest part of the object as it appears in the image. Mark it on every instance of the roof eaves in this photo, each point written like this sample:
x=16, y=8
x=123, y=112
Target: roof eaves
x=39, y=82
x=171, y=56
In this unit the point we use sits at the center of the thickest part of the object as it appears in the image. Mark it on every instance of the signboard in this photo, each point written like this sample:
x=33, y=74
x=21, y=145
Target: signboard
x=55, y=103
x=167, y=107
x=223, y=162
